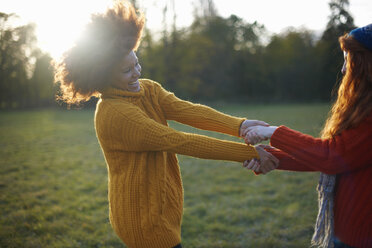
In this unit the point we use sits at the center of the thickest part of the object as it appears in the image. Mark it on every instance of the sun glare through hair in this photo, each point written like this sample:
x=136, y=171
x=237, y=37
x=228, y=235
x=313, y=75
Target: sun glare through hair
x=60, y=23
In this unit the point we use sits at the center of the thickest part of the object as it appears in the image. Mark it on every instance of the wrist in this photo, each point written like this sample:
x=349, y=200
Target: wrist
x=240, y=128
x=272, y=129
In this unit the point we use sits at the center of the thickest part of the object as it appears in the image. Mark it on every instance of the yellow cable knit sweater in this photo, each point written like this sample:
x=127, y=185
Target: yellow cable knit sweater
x=145, y=186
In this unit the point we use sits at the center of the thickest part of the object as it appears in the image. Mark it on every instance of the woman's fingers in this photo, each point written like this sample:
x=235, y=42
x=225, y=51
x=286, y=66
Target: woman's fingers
x=255, y=166
x=266, y=147
x=250, y=123
x=265, y=164
x=253, y=137
x=249, y=164
x=274, y=160
x=268, y=161
x=252, y=164
x=255, y=134
x=260, y=123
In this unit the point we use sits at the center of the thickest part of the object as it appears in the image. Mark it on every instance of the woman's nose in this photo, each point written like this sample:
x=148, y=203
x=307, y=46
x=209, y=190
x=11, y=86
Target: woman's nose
x=138, y=71
x=343, y=70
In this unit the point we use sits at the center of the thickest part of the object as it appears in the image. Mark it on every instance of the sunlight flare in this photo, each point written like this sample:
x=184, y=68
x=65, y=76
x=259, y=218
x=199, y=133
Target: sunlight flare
x=59, y=23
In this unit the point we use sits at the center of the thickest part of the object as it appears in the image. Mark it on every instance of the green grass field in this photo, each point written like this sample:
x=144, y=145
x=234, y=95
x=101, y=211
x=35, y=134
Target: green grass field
x=53, y=186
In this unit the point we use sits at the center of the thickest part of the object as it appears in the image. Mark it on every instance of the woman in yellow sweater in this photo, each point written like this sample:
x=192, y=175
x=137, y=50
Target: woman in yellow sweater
x=145, y=186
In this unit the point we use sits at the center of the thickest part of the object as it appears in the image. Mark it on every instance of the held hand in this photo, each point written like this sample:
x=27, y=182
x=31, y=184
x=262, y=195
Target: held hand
x=253, y=164
x=267, y=162
x=266, y=147
x=250, y=123
x=256, y=134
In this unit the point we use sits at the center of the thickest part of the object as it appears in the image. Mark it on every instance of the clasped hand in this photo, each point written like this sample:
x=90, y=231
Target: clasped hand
x=265, y=164
x=254, y=132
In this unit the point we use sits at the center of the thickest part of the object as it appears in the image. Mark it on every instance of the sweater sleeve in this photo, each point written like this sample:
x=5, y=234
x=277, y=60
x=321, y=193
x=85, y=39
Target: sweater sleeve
x=287, y=162
x=197, y=115
x=348, y=151
x=140, y=133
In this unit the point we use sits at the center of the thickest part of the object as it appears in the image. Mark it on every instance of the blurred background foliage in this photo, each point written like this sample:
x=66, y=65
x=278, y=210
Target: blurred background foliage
x=213, y=59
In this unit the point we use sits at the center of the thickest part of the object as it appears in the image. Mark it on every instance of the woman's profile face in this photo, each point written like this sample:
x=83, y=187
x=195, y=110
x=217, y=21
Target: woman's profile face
x=343, y=70
x=126, y=75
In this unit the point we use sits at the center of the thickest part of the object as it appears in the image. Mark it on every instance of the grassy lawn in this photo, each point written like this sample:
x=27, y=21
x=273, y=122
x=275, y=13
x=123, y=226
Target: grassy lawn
x=53, y=186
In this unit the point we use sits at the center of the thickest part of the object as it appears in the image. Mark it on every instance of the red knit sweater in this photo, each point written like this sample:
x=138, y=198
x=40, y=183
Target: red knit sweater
x=349, y=155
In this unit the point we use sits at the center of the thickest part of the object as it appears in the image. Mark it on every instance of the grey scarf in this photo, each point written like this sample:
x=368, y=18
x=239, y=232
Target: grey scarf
x=324, y=230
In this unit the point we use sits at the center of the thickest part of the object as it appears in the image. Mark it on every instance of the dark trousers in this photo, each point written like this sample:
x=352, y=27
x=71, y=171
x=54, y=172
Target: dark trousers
x=178, y=246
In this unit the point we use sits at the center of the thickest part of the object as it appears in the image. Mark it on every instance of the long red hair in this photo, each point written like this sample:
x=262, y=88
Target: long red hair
x=354, y=100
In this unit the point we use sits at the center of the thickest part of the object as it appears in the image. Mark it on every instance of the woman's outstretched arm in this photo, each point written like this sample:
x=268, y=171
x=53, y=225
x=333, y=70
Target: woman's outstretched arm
x=201, y=116
x=347, y=151
x=137, y=132
x=287, y=162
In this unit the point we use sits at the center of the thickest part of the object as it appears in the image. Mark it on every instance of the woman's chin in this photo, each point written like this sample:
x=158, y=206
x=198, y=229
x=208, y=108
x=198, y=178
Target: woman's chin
x=134, y=87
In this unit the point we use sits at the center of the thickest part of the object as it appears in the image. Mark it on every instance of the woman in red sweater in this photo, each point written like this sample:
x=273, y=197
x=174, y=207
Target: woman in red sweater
x=343, y=155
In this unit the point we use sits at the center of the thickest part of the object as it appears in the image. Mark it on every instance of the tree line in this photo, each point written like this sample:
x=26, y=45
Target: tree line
x=215, y=58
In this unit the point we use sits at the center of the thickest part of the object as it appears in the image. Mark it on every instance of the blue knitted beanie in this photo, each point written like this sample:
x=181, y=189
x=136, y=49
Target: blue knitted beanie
x=363, y=35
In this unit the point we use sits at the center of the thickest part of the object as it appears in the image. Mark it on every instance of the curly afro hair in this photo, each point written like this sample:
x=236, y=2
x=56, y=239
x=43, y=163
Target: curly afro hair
x=85, y=69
